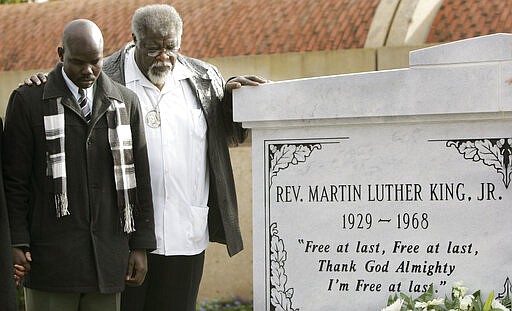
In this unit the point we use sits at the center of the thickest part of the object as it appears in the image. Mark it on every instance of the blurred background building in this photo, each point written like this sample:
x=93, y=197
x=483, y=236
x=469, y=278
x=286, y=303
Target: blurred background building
x=277, y=39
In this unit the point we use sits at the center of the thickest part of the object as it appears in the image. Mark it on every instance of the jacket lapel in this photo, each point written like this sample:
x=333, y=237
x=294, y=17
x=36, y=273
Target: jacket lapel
x=105, y=90
x=56, y=87
x=201, y=87
x=201, y=84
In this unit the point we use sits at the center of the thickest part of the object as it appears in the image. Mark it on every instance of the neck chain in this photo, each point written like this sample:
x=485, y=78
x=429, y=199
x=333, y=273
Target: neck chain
x=153, y=116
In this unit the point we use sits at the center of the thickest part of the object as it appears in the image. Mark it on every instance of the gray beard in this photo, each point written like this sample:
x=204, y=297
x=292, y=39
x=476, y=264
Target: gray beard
x=157, y=77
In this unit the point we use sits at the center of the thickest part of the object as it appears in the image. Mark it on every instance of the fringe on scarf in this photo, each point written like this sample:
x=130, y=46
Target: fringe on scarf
x=129, y=223
x=61, y=204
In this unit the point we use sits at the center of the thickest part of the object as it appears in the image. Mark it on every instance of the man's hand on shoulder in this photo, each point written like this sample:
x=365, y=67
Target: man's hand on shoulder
x=238, y=82
x=36, y=79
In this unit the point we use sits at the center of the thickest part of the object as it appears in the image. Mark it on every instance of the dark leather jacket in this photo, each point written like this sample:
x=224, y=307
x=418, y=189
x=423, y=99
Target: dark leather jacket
x=209, y=85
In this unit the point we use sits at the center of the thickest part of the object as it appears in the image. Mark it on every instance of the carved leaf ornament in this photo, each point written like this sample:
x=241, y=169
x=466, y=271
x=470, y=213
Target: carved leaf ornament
x=280, y=296
x=282, y=156
x=496, y=153
x=505, y=295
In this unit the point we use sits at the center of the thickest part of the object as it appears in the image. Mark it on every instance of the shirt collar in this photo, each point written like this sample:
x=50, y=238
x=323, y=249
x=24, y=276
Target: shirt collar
x=133, y=73
x=74, y=89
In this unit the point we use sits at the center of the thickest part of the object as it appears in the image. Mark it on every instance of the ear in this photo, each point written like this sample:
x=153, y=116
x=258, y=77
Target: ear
x=60, y=51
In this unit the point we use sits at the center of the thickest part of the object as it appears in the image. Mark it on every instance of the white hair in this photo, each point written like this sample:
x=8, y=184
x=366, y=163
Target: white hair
x=160, y=18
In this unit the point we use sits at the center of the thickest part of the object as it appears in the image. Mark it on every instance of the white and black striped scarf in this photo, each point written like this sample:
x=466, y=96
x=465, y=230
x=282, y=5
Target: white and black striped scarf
x=120, y=139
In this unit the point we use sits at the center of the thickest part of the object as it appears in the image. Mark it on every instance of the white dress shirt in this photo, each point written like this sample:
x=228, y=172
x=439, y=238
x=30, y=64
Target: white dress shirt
x=74, y=89
x=177, y=158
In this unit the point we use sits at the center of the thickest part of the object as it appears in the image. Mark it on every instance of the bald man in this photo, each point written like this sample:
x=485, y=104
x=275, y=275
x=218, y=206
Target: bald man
x=77, y=182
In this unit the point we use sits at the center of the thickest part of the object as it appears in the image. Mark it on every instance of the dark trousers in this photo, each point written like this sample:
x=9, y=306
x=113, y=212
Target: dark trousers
x=171, y=284
x=37, y=300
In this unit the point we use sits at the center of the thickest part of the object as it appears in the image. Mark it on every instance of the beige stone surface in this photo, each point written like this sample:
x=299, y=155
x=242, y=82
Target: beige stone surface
x=421, y=22
x=379, y=29
x=401, y=23
x=394, y=57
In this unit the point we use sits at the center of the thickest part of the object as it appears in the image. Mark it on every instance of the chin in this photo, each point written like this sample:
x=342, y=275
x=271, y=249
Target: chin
x=158, y=77
x=85, y=84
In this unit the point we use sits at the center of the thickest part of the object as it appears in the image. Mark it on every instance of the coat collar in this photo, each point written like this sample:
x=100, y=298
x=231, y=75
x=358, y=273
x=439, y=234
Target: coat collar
x=198, y=70
x=200, y=81
x=106, y=90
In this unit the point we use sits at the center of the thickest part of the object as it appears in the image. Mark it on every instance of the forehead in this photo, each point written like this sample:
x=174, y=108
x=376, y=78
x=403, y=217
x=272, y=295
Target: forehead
x=83, y=47
x=157, y=37
x=83, y=54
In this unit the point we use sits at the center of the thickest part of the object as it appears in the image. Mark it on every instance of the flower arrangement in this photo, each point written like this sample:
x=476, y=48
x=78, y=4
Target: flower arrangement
x=459, y=301
x=225, y=304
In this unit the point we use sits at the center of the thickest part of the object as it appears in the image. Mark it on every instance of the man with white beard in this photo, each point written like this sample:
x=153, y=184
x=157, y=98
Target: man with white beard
x=187, y=108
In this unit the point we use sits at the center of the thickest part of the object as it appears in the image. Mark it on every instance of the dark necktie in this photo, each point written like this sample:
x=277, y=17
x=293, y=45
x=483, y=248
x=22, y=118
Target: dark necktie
x=84, y=106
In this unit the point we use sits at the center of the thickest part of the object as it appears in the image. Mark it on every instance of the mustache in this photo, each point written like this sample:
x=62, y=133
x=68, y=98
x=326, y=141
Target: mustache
x=160, y=64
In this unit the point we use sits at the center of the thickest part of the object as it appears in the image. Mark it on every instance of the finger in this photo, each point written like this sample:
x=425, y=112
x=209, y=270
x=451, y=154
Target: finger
x=36, y=79
x=137, y=280
x=19, y=267
x=28, y=256
x=42, y=77
x=247, y=80
x=19, y=270
x=133, y=280
x=19, y=274
x=129, y=273
x=254, y=80
x=27, y=82
x=258, y=79
x=140, y=275
x=231, y=85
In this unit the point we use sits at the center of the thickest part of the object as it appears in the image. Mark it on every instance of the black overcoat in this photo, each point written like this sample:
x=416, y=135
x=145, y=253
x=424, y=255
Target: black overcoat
x=86, y=251
x=7, y=289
